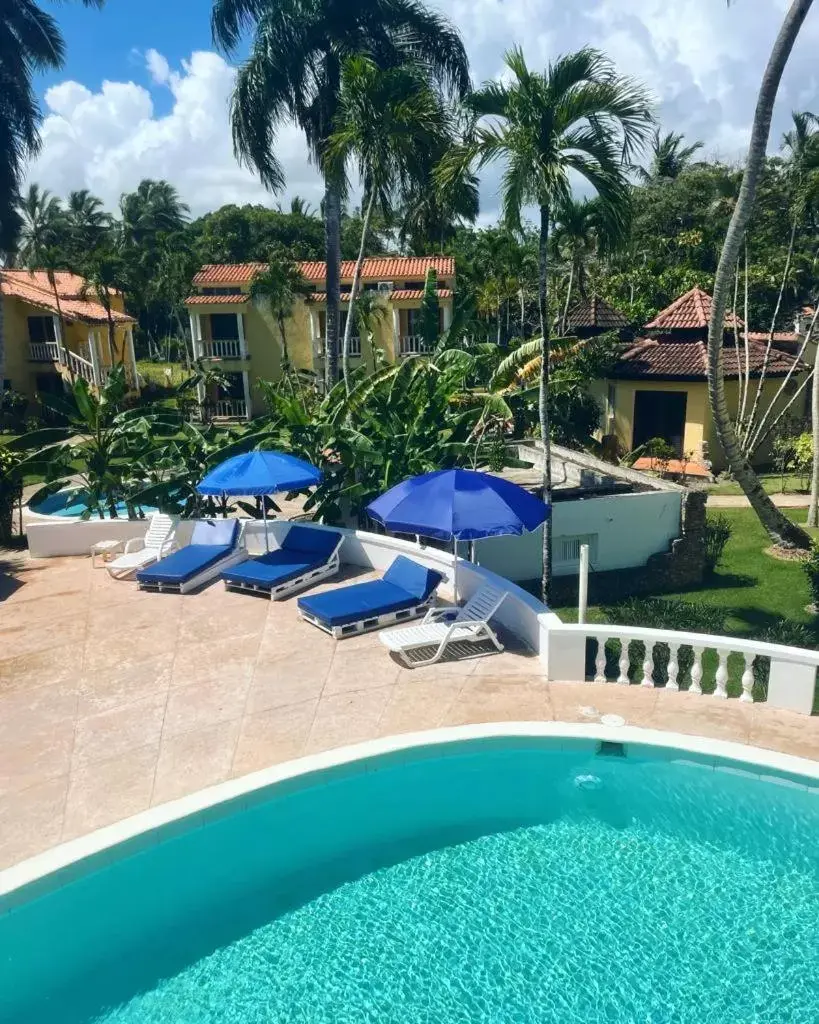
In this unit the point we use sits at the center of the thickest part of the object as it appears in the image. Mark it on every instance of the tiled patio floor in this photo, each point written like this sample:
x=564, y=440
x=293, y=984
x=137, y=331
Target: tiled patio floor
x=112, y=700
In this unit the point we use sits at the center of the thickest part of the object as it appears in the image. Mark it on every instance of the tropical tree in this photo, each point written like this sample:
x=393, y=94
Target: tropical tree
x=294, y=72
x=86, y=223
x=105, y=274
x=154, y=208
x=279, y=287
x=781, y=529
x=669, y=157
x=577, y=116
x=30, y=41
x=42, y=223
x=384, y=120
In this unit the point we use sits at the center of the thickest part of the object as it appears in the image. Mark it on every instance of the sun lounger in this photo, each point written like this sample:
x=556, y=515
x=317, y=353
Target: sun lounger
x=465, y=627
x=307, y=554
x=404, y=592
x=141, y=551
x=214, y=546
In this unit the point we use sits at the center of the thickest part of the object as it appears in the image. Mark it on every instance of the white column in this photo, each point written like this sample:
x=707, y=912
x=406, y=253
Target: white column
x=240, y=324
x=196, y=335
x=58, y=335
x=246, y=384
x=95, y=359
x=396, y=331
x=447, y=310
x=132, y=356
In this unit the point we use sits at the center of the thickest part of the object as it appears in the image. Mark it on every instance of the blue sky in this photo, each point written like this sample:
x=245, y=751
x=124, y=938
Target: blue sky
x=143, y=94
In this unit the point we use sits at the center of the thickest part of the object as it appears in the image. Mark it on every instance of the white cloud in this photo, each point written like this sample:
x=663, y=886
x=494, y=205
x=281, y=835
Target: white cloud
x=703, y=59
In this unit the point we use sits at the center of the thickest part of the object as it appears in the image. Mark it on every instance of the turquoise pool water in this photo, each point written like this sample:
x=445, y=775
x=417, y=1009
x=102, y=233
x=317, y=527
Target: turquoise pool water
x=71, y=504
x=502, y=882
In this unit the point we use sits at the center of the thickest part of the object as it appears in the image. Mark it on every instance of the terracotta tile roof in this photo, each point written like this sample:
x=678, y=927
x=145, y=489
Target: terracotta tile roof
x=790, y=337
x=25, y=286
x=595, y=312
x=376, y=268
x=673, y=466
x=69, y=286
x=687, y=360
x=689, y=312
x=399, y=294
x=216, y=300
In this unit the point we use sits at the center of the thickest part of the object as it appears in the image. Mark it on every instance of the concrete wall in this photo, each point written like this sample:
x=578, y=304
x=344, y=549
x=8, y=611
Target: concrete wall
x=623, y=531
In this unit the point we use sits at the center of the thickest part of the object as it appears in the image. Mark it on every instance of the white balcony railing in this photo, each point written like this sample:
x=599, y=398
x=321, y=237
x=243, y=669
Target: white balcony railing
x=320, y=346
x=718, y=666
x=226, y=348
x=44, y=352
x=230, y=408
x=414, y=345
x=81, y=367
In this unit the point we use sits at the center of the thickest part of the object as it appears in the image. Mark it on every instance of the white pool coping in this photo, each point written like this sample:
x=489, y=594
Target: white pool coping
x=103, y=844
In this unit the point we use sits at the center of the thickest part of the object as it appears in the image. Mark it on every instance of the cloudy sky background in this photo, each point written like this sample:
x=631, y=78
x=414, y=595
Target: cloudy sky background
x=144, y=94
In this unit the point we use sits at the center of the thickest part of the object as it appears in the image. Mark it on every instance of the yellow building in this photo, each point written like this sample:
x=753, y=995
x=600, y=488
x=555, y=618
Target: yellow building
x=42, y=351
x=658, y=387
x=242, y=336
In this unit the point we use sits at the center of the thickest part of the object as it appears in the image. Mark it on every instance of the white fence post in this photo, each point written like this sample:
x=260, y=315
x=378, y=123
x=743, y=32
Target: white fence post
x=583, y=584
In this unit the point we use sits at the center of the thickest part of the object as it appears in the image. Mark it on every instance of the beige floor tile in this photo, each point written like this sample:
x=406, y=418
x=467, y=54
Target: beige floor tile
x=32, y=821
x=108, y=791
x=118, y=685
x=33, y=753
x=502, y=699
x=111, y=733
x=202, y=704
x=273, y=736
x=347, y=718
x=55, y=665
x=22, y=639
x=578, y=702
x=130, y=648
x=701, y=715
x=360, y=670
x=194, y=760
x=419, y=703
x=23, y=711
x=784, y=730
x=199, y=662
x=279, y=684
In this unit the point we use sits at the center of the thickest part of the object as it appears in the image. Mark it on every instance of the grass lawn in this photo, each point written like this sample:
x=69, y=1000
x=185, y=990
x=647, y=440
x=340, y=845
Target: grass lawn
x=757, y=590
x=158, y=372
x=772, y=482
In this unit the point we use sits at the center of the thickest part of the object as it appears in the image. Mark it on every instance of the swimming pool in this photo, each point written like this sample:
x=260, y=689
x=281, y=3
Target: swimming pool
x=506, y=878
x=71, y=503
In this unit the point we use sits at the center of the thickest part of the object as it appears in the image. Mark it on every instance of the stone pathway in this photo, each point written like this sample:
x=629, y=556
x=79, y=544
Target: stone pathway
x=740, y=501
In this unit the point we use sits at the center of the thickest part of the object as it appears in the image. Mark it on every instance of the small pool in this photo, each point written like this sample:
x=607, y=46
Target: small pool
x=504, y=879
x=71, y=503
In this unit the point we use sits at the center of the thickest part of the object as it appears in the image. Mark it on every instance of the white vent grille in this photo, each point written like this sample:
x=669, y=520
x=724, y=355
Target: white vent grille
x=567, y=549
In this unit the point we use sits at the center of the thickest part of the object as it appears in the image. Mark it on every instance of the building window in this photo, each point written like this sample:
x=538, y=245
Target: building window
x=219, y=291
x=567, y=549
x=223, y=327
x=416, y=286
x=41, y=329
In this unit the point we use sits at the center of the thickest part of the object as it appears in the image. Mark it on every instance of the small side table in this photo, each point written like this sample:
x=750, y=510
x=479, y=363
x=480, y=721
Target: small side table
x=104, y=548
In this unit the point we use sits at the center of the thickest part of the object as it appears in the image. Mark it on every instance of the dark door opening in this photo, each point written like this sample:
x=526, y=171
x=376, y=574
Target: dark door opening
x=660, y=414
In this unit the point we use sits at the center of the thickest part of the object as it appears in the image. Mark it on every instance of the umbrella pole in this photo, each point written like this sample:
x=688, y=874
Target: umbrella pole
x=455, y=573
x=264, y=517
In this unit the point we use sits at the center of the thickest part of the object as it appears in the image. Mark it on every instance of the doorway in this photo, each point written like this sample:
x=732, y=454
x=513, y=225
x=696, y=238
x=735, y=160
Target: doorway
x=660, y=414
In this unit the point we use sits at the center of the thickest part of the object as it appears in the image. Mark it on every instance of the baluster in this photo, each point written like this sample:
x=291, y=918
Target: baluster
x=600, y=660
x=623, y=677
x=696, y=671
x=648, y=666
x=747, y=696
x=673, y=668
x=722, y=674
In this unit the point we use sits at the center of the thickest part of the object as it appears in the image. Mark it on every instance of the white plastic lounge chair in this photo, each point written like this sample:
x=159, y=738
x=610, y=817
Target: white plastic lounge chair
x=466, y=626
x=141, y=551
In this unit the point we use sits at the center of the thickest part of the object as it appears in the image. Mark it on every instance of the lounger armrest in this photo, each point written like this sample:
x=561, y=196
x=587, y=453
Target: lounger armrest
x=439, y=614
x=168, y=547
x=134, y=544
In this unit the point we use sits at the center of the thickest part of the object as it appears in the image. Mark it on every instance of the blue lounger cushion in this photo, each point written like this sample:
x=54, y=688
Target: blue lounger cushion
x=303, y=549
x=404, y=585
x=212, y=539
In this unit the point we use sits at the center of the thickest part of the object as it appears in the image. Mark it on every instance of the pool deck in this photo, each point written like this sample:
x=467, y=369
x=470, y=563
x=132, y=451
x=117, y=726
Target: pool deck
x=113, y=700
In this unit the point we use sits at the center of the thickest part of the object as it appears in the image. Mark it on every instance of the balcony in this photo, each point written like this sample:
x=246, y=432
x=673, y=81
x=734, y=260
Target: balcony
x=230, y=409
x=222, y=348
x=414, y=345
x=44, y=352
x=320, y=346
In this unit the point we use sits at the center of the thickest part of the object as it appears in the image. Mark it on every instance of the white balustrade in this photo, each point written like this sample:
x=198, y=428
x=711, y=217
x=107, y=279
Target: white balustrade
x=705, y=661
x=225, y=348
x=81, y=367
x=414, y=345
x=231, y=408
x=44, y=351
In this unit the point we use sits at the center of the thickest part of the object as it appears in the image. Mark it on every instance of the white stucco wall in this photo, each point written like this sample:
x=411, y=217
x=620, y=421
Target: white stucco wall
x=622, y=530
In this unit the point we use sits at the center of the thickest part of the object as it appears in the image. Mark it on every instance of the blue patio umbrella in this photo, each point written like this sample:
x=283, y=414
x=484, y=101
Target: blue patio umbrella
x=458, y=504
x=258, y=474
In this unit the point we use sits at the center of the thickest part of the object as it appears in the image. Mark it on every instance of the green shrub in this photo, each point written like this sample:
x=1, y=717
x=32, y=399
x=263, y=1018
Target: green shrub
x=10, y=492
x=718, y=532
x=811, y=568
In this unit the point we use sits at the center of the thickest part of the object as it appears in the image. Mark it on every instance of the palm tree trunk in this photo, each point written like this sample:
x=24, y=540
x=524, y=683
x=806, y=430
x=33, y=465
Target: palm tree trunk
x=543, y=398
x=813, y=509
x=779, y=527
x=332, y=234
x=565, y=319
x=348, y=327
x=522, y=297
x=2, y=347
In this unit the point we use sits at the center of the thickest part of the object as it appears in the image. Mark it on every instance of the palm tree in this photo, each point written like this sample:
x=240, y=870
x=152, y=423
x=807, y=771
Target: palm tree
x=299, y=207
x=155, y=207
x=105, y=273
x=279, y=286
x=781, y=529
x=294, y=73
x=384, y=120
x=577, y=116
x=42, y=223
x=86, y=221
x=669, y=157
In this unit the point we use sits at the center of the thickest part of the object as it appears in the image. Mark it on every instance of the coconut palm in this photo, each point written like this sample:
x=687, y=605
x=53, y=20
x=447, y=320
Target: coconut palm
x=385, y=119
x=154, y=208
x=86, y=221
x=42, y=221
x=669, y=157
x=578, y=116
x=781, y=529
x=294, y=73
